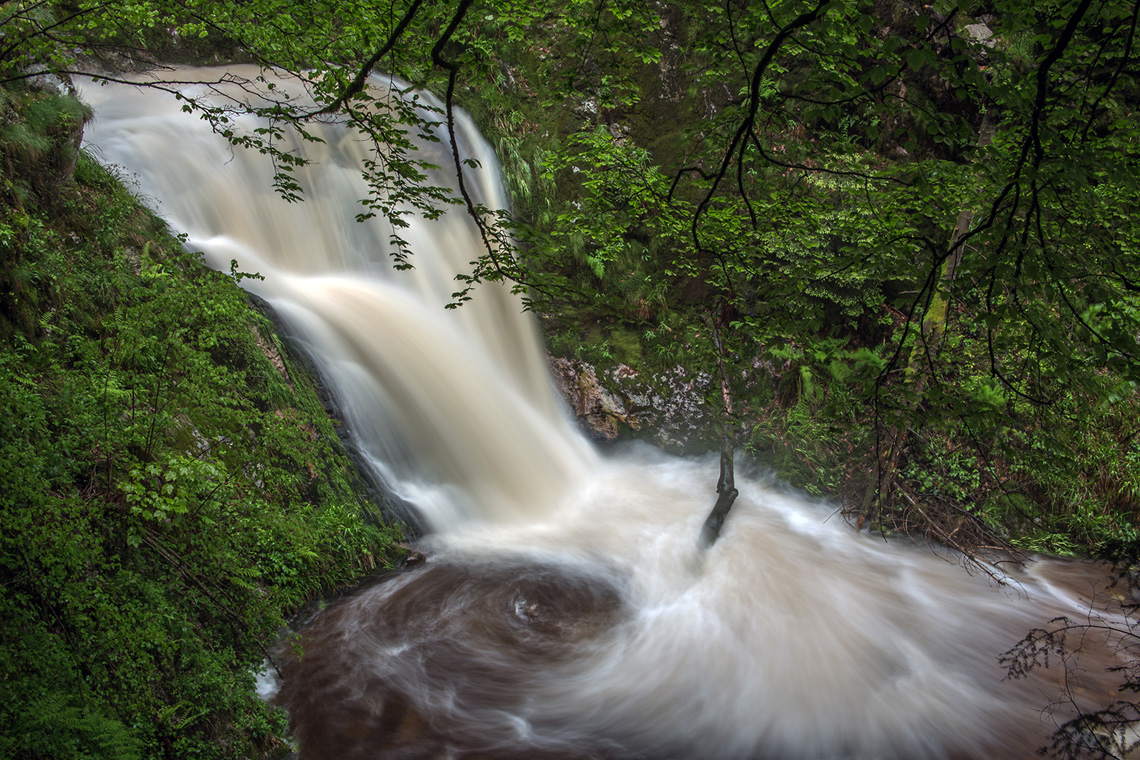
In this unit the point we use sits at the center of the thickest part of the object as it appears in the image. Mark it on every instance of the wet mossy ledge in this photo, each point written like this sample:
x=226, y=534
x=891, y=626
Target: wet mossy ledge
x=172, y=489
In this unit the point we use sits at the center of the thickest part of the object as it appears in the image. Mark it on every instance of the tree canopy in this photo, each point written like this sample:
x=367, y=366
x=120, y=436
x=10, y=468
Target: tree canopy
x=924, y=209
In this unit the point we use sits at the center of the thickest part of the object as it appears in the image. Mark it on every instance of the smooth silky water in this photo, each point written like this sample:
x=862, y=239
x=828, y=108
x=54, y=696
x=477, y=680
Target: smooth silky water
x=565, y=609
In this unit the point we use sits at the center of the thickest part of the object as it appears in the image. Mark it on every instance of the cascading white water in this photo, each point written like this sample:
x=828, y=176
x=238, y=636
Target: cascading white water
x=455, y=403
x=566, y=608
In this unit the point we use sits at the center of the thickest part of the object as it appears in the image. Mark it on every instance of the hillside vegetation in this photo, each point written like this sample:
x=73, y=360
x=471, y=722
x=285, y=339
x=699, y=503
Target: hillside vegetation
x=172, y=489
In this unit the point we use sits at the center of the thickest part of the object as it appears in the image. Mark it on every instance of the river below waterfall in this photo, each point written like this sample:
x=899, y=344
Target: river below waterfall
x=566, y=610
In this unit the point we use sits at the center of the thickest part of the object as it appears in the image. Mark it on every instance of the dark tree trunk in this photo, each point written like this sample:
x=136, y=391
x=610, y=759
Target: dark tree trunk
x=726, y=495
x=726, y=483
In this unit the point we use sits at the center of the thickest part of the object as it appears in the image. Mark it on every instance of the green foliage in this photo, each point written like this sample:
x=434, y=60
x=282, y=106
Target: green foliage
x=799, y=419
x=792, y=189
x=168, y=497
x=56, y=726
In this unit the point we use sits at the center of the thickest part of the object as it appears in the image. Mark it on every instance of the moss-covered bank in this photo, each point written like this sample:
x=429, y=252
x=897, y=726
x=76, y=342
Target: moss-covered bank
x=171, y=488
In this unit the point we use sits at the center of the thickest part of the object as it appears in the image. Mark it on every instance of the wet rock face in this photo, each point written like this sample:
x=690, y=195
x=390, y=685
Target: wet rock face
x=599, y=412
x=61, y=122
x=442, y=661
x=666, y=409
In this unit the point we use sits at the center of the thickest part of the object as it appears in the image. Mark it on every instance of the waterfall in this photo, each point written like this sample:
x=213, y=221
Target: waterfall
x=453, y=408
x=566, y=610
